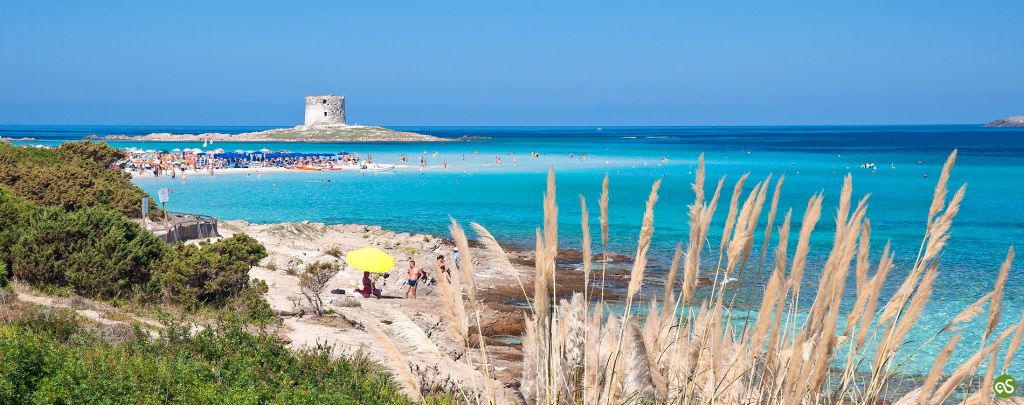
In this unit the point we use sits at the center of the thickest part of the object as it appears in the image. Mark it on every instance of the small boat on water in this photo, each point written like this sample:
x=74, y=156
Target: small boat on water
x=309, y=168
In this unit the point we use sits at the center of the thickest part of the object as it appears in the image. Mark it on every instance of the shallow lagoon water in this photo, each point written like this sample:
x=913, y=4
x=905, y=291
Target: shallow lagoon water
x=507, y=198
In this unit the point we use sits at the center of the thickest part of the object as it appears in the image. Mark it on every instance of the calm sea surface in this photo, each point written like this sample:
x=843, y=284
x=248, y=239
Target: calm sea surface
x=507, y=198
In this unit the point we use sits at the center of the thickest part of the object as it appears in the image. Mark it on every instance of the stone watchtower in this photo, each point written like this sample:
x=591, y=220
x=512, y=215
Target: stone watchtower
x=325, y=110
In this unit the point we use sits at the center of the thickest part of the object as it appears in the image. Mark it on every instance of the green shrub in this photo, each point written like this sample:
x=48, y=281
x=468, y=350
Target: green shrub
x=96, y=252
x=39, y=255
x=221, y=364
x=72, y=177
x=3, y=275
x=14, y=212
x=335, y=251
x=240, y=247
x=211, y=274
x=250, y=304
x=99, y=152
x=312, y=282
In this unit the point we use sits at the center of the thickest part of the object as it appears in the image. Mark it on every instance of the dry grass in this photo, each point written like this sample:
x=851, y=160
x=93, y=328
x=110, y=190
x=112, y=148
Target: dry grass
x=685, y=351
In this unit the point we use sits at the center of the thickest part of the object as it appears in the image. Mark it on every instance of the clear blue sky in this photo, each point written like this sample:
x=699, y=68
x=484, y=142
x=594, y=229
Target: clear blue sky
x=512, y=63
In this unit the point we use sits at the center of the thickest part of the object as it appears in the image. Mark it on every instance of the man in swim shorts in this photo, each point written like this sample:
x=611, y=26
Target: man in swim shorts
x=413, y=275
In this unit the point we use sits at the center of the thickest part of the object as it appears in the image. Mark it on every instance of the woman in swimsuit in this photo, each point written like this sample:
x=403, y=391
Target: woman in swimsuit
x=443, y=269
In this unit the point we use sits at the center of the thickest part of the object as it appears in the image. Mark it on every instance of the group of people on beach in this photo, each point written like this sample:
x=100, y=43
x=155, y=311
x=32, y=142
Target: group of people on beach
x=170, y=163
x=414, y=276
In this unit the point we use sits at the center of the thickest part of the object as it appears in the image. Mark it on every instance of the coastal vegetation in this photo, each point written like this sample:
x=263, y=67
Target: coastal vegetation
x=312, y=282
x=76, y=175
x=95, y=252
x=67, y=229
x=52, y=356
x=215, y=275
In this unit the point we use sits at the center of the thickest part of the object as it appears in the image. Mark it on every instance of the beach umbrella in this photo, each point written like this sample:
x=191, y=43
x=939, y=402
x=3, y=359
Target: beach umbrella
x=175, y=150
x=370, y=259
x=264, y=150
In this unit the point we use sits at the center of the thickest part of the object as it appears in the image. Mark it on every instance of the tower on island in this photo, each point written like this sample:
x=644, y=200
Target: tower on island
x=326, y=110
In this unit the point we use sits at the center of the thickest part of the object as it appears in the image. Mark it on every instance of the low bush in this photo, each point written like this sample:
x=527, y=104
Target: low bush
x=94, y=251
x=220, y=364
x=14, y=212
x=312, y=282
x=249, y=303
x=335, y=251
x=71, y=177
x=211, y=274
x=99, y=152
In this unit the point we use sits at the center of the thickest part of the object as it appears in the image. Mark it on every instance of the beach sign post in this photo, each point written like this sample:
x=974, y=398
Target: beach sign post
x=145, y=210
x=165, y=195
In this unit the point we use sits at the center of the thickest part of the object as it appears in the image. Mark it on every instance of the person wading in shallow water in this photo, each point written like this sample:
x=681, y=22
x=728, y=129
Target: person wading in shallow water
x=413, y=275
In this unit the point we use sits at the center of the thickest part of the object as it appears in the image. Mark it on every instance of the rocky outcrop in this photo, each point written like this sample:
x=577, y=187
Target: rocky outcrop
x=1017, y=121
x=494, y=322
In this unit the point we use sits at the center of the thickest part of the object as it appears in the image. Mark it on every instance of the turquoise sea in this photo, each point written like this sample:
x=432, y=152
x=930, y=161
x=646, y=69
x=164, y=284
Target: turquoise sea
x=507, y=198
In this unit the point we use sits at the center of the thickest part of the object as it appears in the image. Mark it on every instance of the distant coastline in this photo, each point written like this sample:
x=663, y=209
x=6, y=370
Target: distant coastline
x=2, y=139
x=343, y=133
x=1017, y=121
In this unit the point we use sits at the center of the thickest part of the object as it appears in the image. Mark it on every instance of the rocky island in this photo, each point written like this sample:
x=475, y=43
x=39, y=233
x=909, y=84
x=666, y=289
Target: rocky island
x=324, y=122
x=1017, y=121
x=301, y=133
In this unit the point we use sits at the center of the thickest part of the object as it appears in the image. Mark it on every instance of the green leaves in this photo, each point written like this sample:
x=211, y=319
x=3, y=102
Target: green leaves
x=220, y=364
x=74, y=176
x=210, y=275
x=96, y=252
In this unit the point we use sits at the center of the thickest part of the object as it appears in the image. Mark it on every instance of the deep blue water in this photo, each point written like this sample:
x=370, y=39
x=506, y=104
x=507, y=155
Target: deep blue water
x=507, y=198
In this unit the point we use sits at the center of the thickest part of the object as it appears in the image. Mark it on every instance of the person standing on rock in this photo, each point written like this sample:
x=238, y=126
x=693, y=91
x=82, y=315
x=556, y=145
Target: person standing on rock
x=413, y=275
x=443, y=269
x=456, y=257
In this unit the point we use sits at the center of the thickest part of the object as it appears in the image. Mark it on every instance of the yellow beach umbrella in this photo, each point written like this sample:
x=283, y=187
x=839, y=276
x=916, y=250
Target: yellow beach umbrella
x=370, y=259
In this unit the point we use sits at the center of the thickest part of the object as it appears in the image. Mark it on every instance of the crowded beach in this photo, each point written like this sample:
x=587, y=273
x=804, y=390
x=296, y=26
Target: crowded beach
x=149, y=162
